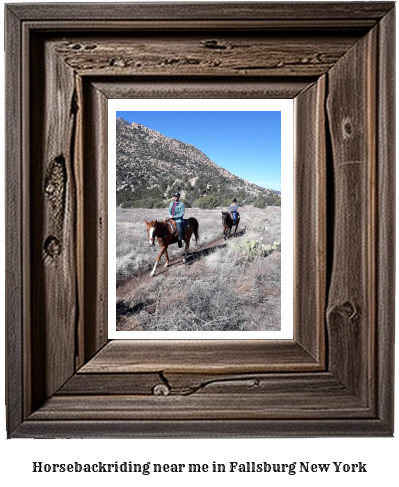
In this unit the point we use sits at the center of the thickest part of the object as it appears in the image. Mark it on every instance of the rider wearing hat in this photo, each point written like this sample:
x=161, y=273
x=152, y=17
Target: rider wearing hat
x=176, y=213
x=233, y=210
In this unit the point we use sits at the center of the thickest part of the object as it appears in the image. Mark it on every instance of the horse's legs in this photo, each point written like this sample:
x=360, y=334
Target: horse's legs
x=166, y=257
x=187, y=242
x=187, y=239
x=156, y=262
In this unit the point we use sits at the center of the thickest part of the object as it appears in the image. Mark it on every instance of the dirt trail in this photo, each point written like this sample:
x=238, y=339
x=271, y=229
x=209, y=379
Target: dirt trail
x=194, y=255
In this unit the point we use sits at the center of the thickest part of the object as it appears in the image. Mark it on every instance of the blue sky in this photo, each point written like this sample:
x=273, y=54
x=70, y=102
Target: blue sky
x=248, y=144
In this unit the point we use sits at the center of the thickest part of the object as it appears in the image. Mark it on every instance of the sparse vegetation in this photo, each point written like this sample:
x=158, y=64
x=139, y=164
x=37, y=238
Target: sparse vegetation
x=233, y=286
x=207, y=202
x=151, y=167
x=263, y=201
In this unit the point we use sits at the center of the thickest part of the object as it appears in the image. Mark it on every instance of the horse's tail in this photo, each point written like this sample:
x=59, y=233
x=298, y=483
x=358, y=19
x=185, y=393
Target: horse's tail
x=196, y=225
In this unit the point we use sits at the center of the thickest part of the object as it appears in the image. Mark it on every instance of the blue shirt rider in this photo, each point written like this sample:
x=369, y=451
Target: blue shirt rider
x=176, y=213
x=233, y=210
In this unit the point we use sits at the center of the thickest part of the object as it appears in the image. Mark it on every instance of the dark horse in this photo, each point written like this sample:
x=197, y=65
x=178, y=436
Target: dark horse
x=228, y=223
x=166, y=234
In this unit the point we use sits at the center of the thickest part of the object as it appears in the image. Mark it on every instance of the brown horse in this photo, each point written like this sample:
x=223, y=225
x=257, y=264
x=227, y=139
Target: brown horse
x=166, y=235
x=228, y=223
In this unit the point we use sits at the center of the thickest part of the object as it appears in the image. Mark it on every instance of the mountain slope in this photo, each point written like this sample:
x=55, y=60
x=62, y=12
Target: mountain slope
x=151, y=166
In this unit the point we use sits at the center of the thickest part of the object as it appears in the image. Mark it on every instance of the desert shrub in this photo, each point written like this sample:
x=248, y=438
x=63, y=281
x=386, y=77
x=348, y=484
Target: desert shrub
x=163, y=185
x=224, y=290
x=230, y=296
x=263, y=201
x=188, y=186
x=159, y=204
x=132, y=251
x=206, y=202
x=255, y=248
x=226, y=202
x=260, y=202
x=141, y=197
x=229, y=201
x=186, y=202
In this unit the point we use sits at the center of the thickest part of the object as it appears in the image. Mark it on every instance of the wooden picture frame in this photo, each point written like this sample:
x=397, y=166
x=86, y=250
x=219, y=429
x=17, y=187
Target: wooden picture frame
x=335, y=378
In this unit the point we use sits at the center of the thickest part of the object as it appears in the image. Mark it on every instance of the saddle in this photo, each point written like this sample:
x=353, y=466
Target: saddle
x=232, y=219
x=173, y=227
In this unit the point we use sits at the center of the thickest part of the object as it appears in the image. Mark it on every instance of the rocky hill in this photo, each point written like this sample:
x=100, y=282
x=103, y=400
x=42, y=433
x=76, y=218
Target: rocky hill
x=151, y=167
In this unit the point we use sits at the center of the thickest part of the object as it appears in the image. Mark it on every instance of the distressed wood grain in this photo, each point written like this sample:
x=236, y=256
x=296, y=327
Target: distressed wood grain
x=385, y=245
x=16, y=264
x=109, y=384
x=184, y=384
x=259, y=54
x=195, y=87
x=310, y=229
x=362, y=13
x=335, y=377
x=351, y=113
x=53, y=218
x=189, y=428
x=201, y=407
x=200, y=356
x=94, y=333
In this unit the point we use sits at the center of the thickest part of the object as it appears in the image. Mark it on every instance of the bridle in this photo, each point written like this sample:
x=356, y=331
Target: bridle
x=151, y=236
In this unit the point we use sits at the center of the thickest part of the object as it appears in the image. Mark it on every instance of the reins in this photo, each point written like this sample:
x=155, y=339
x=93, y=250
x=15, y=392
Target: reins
x=164, y=234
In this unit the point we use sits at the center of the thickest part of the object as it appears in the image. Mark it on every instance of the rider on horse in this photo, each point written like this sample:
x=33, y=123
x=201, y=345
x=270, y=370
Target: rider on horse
x=233, y=210
x=176, y=213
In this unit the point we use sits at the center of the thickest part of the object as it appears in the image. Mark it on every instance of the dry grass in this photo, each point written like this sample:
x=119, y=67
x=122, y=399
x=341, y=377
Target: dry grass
x=132, y=251
x=233, y=287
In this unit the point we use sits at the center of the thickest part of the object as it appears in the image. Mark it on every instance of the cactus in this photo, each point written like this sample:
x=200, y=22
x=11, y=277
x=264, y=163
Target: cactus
x=254, y=248
x=276, y=246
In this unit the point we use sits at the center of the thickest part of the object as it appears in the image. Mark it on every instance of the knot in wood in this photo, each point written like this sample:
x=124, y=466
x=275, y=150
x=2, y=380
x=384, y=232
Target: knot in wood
x=50, y=189
x=213, y=44
x=52, y=246
x=346, y=310
x=54, y=186
x=161, y=390
x=347, y=128
x=349, y=310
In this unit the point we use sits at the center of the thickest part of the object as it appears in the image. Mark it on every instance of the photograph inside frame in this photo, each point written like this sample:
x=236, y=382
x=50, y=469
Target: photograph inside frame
x=198, y=242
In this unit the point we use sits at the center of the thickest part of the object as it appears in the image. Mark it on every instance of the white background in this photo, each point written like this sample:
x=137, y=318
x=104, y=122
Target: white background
x=380, y=455
x=286, y=108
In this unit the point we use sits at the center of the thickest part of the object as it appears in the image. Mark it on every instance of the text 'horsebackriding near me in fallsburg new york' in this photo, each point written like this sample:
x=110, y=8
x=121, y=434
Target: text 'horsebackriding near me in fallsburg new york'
x=172, y=230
